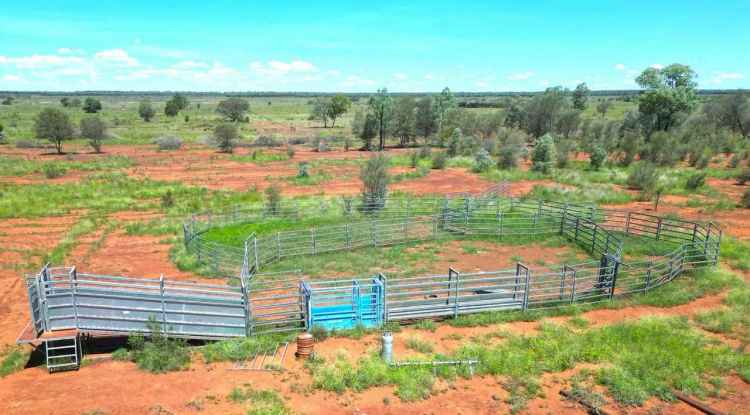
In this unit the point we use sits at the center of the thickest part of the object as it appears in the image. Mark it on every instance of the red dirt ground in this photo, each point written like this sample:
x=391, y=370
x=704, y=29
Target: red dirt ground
x=121, y=388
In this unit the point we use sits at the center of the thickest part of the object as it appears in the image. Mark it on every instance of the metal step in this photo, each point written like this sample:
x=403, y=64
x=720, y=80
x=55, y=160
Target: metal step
x=70, y=361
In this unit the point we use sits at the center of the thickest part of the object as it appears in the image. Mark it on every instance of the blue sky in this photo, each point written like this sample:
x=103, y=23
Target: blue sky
x=361, y=46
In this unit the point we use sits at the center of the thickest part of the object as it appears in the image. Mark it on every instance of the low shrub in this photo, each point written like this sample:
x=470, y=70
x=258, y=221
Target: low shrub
x=268, y=141
x=482, y=161
x=53, y=170
x=439, y=160
x=14, y=358
x=168, y=143
x=419, y=345
x=290, y=151
x=743, y=177
x=27, y=144
x=643, y=176
x=597, y=157
x=158, y=353
x=745, y=201
x=303, y=169
x=695, y=181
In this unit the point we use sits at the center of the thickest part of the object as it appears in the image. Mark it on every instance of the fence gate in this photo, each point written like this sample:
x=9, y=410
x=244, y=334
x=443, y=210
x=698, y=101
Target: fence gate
x=344, y=304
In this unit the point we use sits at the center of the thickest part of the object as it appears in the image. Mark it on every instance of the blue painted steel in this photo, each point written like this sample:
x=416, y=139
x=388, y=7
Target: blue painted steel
x=345, y=306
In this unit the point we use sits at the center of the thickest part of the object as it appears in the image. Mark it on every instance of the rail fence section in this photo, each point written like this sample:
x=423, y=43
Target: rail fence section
x=62, y=298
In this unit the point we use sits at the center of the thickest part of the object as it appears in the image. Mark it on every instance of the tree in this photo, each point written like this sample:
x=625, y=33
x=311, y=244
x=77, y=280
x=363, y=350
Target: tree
x=454, y=143
x=2, y=136
x=668, y=93
x=580, y=96
x=381, y=105
x=511, y=149
x=597, y=157
x=8, y=101
x=74, y=103
x=375, y=179
x=443, y=102
x=146, y=110
x=567, y=122
x=94, y=129
x=171, y=108
x=65, y=101
x=337, y=107
x=730, y=111
x=233, y=109
x=602, y=107
x=92, y=105
x=54, y=125
x=543, y=110
x=226, y=136
x=404, y=120
x=543, y=156
x=368, y=131
x=425, y=119
x=320, y=110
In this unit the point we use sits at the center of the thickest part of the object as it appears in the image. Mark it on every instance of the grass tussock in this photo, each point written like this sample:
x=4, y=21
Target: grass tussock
x=12, y=359
x=259, y=401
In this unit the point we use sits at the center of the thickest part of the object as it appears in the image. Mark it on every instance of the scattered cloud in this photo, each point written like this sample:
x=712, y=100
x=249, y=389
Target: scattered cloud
x=429, y=76
x=39, y=61
x=719, y=77
x=544, y=83
x=273, y=68
x=657, y=66
x=117, y=56
x=400, y=76
x=353, y=80
x=12, y=78
x=620, y=67
x=190, y=65
x=70, y=51
x=481, y=84
x=520, y=76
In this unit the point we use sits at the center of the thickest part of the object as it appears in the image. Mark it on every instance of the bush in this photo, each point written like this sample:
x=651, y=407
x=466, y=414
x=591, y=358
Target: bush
x=425, y=151
x=92, y=105
x=26, y=144
x=375, y=179
x=597, y=157
x=290, y=151
x=644, y=177
x=543, y=155
x=53, y=170
x=413, y=159
x=483, y=161
x=745, y=201
x=158, y=354
x=302, y=169
x=695, y=181
x=439, y=160
x=743, y=177
x=273, y=200
x=168, y=143
x=562, y=150
x=167, y=199
x=454, y=142
x=95, y=130
x=267, y=141
x=226, y=136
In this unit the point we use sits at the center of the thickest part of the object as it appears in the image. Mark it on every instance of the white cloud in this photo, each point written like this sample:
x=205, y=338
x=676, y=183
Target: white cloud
x=190, y=65
x=429, y=76
x=39, y=61
x=70, y=51
x=620, y=67
x=334, y=72
x=275, y=68
x=520, y=76
x=545, y=82
x=720, y=77
x=117, y=56
x=657, y=66
x=400, y=76
x=12, y=78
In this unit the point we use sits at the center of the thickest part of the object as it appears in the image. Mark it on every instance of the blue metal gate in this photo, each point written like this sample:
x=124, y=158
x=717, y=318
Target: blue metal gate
x=336, y=305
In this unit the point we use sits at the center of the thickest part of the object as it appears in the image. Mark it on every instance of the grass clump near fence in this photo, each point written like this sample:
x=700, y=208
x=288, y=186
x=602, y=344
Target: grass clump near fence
x=12, y=359
x=732, y=319
x=242, y=349
x=156, y=353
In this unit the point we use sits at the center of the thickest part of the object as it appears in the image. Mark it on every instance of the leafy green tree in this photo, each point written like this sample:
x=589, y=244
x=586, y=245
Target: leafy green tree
x=597, y=157
x=513, y=142
x=368, y=131
x=95, y=130
x=146, y=110
x=425, y=122
x=225, y=136
x=180, y=101
x=543, y=155
x=321, y=110
x=730, y=111
x=543, y=110
x=381, y=106
x=580, y=96
x=444, y=102
x=404, y=120
x=233, y=109
x=92, y=105
x=482, y=161
x=567, y=122
x=602, y=107
x=171, y=108
x=65, y=101
x=337, y=107
x=8, y=101
x=454, y=143
x=668, y=93
x=54, y=125
x=375, y=178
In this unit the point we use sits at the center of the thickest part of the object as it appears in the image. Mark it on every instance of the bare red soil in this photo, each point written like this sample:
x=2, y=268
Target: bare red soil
x=121, y=388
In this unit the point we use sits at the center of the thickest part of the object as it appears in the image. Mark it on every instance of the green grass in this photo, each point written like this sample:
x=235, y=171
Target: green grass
x=736, y=253
x=260, y=157
x=156, y=353
x=419, y=345
x=732, y=319
x=427, y=325
x=242, y=349
x=12, y=359
x=259, y=401
x=17, y=166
